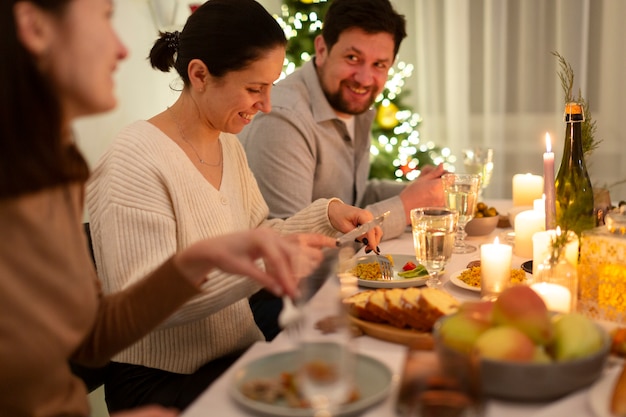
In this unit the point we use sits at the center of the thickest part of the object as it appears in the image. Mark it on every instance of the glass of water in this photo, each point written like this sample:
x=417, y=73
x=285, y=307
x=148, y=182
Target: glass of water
x=461, y=194
x=479, y=161
x=327, y=358
x=433, y=238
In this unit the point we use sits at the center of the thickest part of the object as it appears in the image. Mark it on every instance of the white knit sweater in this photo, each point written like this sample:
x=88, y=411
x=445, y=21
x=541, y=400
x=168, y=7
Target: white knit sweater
x=146, y=201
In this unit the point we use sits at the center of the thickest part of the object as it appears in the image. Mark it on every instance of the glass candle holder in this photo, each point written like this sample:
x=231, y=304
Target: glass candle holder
x=556, y=282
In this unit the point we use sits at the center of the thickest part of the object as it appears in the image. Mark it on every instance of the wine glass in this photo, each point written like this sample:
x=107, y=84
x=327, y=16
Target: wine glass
x=326, y=359
x=461, y=194
x=433, y=238
x=479, y=161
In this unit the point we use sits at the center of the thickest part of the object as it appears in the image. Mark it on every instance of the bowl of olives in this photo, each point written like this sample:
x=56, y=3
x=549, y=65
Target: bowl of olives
x=484, y=221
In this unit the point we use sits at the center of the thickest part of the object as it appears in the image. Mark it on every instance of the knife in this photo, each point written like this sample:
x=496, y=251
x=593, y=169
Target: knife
x=361, y=230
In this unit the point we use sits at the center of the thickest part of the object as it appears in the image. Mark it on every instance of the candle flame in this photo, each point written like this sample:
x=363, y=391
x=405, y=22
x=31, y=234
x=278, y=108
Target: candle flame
x=496, y=241
x=548, y=143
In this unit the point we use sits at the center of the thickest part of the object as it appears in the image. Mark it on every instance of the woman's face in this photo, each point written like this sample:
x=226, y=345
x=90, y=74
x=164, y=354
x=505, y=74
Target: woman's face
x=82, y=55
x=230, y=102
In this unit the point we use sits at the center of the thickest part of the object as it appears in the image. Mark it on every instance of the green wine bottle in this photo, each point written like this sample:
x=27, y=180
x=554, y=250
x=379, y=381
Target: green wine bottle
x=574, y=196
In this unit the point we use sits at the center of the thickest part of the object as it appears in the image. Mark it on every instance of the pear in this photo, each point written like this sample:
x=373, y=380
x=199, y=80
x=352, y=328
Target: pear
x=505, y=343
x=575, y=336
x=459, y=331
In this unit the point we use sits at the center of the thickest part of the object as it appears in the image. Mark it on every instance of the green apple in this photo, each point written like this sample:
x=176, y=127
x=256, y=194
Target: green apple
x=575, y=336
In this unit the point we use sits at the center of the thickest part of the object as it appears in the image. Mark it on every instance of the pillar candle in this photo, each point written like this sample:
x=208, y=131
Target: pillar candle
x=557, y=297
x=540, y=203
x=541, y=247
x=527, y=223
x=548, y=185
x=495, y=269
x=526, y=189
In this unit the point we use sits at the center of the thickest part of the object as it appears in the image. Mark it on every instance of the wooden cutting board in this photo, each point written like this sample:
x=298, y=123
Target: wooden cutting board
x=412, y=338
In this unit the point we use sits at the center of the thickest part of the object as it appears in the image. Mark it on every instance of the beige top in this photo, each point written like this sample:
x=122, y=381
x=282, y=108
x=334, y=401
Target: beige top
x=147, y=200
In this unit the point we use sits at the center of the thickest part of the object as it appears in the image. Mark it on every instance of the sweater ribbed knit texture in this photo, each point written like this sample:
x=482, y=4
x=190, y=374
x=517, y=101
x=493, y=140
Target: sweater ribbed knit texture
x=147, y=201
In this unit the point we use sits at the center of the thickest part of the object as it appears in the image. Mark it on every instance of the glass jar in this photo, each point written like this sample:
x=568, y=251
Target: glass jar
x=556, y=281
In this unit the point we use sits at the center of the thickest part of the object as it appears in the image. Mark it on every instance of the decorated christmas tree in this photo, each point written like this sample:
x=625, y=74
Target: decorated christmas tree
x=397, y=150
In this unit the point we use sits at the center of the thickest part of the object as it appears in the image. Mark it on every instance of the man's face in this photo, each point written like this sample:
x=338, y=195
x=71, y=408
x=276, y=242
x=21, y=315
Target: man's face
x=354, y=71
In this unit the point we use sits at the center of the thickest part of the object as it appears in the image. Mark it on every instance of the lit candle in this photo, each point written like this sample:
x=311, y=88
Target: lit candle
x=526, y=189
x=527, y=223
x=495, y=269
x=548, y=184
x=557, y=297
x=541, y=247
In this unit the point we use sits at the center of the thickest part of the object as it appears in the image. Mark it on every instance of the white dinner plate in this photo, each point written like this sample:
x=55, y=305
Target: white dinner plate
x=454, y=278
x=373, y=379
x=601, y=391
x=397, y=282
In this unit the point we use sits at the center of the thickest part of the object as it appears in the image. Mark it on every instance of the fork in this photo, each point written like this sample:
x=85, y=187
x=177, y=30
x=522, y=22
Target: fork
x=386, y=270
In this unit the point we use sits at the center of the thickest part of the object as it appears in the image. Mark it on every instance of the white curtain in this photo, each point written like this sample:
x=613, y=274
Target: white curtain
x=485, y=76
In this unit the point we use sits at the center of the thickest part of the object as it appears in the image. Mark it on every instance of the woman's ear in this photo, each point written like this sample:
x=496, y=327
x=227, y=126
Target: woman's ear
x=33, y=26
x=198, y=74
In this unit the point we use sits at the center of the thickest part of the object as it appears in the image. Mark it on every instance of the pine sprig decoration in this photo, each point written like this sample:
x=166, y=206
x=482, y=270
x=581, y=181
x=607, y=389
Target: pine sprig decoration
x=566, y=75
x=558, y=242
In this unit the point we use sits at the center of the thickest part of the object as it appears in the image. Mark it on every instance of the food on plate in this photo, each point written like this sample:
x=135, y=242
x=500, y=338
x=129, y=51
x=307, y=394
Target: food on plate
x=471, y=276
x=412, y=307
x=284, y=388
x=618, y=396
x=417, y=271
x=518, y=327
x=409, y=266
x=369, y=270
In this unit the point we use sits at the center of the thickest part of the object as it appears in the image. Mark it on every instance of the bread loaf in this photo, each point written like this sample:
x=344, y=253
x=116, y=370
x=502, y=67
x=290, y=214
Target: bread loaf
x=402, y=307
x=395, y=307
x=357, y=306
x=435, y=303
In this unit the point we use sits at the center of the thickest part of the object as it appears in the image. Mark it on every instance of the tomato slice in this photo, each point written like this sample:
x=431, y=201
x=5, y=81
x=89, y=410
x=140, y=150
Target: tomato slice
x=409, y=266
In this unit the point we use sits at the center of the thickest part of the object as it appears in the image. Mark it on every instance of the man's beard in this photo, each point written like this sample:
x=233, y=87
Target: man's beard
x=339, y=104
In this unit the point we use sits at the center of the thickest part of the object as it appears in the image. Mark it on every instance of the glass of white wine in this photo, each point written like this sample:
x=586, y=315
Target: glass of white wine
x=479, y=161
x=433, y=239
x=461, y=194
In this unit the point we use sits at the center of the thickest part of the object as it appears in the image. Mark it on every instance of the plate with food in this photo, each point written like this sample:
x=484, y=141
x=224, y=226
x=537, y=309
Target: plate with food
x=269, y=386
x=407, y=272
x=469, y=278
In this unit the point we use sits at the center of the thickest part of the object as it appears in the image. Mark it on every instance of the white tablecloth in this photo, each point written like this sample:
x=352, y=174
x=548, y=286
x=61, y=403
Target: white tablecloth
x=216, y=401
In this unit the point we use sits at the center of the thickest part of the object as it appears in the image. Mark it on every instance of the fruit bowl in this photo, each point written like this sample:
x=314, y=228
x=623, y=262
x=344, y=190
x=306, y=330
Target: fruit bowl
x=531, y=381
x=480, y=226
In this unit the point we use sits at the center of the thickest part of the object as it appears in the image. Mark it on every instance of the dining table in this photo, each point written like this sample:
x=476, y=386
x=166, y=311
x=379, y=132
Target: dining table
x=217, y=400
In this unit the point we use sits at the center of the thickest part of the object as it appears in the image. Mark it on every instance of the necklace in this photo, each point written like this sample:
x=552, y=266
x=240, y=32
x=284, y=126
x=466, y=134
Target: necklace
x=183, y=137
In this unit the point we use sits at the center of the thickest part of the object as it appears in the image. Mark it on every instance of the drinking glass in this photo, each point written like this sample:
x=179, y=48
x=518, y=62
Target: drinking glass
x=461, y=194
x=326, y=359
x=433, y=238
x=479, y=161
